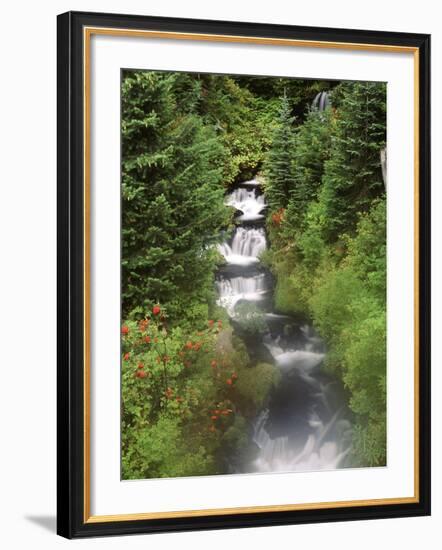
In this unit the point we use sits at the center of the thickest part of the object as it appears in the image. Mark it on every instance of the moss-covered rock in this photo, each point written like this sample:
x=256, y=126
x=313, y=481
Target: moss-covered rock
x=255, y=384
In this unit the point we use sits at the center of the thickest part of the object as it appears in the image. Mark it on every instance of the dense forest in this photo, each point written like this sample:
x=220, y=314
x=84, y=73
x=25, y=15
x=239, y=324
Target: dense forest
x=190, y=385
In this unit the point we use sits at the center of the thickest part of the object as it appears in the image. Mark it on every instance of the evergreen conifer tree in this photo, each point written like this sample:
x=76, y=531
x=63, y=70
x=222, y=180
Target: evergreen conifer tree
x=280, y=180
x=353, y=175
x=311, y=150
x=172, y=199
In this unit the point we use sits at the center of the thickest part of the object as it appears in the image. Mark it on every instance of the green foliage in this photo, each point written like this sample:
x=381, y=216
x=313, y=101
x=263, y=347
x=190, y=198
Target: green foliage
x=329, y=249
x=235, y=438
x=279, y=181
x=241, y=121
x=311, y=151
x=367, y=251
x=353, y=175
x=335, y=289
x=348, y=305
x=166, y=392
x=172, y=198
x=181, y=393
x=299, y=92
x=288, y=290
x=256, y=382
x=345, y=296
x=236, y=443
x=185, y=138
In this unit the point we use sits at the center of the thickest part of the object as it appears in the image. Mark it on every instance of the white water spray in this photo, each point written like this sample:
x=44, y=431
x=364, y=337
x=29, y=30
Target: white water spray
x=320, y=451
x=248, y=202
x=231, y=291
x=247, y=245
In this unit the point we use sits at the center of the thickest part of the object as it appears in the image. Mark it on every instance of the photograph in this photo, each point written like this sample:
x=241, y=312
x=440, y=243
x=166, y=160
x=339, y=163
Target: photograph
x=222, y=262
x=243, y=267
x=253, y=274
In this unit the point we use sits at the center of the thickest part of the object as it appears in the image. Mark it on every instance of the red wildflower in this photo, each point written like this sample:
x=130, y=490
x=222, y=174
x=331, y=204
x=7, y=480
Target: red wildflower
x=140, y=366
x=126, y=356
x=229, y=381
x=124, y=330
x=147, y=339
x=277, y=217
x=156, y=310
x=168, y=393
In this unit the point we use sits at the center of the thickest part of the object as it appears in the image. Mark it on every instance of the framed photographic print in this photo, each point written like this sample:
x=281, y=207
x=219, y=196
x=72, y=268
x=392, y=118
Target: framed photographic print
x=243, y=274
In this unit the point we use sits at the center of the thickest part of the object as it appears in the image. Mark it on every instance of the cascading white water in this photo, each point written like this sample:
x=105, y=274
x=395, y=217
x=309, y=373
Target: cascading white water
x=327, y=443
x=305, y=360
x=288, y=359
x=248, y=202
x=231, y=291
x=311, y=433
x=315, y=453
x=247, y=245
x=252, y=183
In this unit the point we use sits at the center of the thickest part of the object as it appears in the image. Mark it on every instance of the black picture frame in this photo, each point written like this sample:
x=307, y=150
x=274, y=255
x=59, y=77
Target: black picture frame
x=72, y=521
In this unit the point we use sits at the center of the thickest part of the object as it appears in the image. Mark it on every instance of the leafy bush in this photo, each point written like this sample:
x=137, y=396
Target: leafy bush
x=181, y=392
x=348, y=305
x=256, y=382
x=168, y=388
x=241, y=121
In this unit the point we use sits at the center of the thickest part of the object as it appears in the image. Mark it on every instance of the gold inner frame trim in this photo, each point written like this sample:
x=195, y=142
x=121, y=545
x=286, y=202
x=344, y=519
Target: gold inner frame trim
x=87, y=34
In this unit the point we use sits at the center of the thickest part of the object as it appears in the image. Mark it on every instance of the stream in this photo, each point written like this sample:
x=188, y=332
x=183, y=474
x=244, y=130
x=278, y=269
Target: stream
x=305, y=424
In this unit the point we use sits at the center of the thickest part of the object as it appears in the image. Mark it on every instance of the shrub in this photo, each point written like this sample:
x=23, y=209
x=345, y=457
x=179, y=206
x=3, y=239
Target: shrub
x=256, y=382
x=181, y=391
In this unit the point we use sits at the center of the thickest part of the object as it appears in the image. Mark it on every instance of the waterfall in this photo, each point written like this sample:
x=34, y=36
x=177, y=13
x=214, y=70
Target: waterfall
x=303, y=425
x=321, y=101
x=231, y=291
x=317, y=452
x=305, y=360
x=247, y=245
x=248, y=202
x=253, y=182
